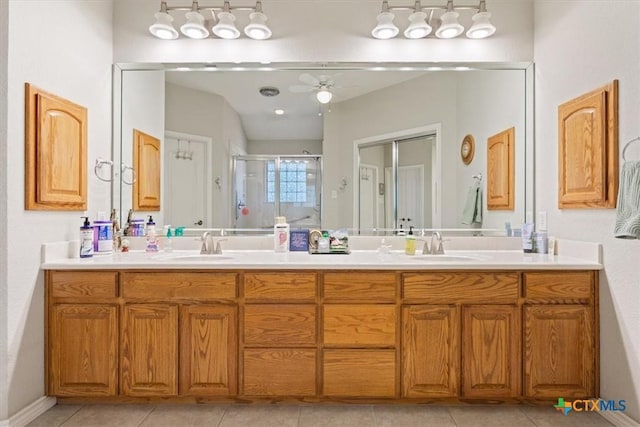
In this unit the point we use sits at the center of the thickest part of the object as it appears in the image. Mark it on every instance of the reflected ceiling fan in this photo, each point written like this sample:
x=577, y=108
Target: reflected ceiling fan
x=322, y=85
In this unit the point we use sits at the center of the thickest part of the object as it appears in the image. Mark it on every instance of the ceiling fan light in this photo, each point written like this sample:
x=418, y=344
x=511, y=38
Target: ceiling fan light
x=163, y=28
x=450, y=28
x=324, y=96
x=385, y=29
x=482, y=27
x=225, y=28
x=257, y=28
x=418, y=26
x=194, y=27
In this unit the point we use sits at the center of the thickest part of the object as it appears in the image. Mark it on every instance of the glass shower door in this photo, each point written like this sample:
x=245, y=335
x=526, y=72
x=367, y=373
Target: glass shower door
x=269, y=186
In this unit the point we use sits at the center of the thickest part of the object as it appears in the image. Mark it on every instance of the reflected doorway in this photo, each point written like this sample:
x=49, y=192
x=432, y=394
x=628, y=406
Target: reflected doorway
x=398, y=180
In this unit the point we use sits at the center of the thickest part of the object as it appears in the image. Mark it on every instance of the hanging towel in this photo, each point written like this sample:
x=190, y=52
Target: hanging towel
x=472, y=213
x=628, y=209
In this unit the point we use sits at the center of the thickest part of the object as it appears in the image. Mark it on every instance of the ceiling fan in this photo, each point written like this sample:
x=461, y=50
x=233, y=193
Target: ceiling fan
x=322, y=85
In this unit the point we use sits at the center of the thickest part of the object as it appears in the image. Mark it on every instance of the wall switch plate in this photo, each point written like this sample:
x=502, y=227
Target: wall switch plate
x=334, y=194
x=542, y=221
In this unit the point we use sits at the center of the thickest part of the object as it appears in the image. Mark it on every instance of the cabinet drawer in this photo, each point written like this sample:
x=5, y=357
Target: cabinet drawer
x=279, y=372
x=359, y=325
x=359, y=373
x=70, y=284
x=167, y=286
x=279, y=325
x=559, y=285
x=373, y=287
x=444, y=288
x=280, y=287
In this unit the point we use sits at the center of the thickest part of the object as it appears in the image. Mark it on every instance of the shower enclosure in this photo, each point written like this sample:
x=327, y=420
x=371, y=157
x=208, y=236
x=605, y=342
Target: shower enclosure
x=265, y=187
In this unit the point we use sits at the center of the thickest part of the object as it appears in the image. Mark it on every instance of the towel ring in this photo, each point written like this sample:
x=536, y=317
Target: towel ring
x=627, y=146
x=100, y=163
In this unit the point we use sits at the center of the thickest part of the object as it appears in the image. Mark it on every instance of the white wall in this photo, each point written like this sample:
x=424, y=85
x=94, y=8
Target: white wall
x=4, y=186
x=205, y=114
x=407, y=105
x=142, y=109
x=580, y=46
x=284, y=147
x=320, y=30
x=488, y=103
x=69, y=54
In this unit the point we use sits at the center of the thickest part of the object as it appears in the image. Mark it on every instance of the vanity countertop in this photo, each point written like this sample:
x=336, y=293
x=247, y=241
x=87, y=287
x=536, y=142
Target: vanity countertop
x=356, y=260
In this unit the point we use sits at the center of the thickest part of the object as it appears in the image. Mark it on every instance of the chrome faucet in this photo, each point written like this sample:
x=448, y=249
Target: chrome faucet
x=209, y=247
x=435, y=247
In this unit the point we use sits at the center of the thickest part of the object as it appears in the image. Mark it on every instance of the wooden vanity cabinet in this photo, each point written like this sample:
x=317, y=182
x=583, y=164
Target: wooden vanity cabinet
x=360, y=334
x=560, y=333
x=461, y=335
x=279, y=334
x=82, y=334
x=179, y=334
x=409, y=336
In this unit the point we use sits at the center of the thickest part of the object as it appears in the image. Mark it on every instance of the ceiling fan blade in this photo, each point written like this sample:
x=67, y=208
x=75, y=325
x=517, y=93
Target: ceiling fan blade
x=301, y=89
x=308, y=79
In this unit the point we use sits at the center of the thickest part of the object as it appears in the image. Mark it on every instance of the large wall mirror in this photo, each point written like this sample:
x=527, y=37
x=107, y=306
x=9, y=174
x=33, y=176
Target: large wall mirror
x=388, y=142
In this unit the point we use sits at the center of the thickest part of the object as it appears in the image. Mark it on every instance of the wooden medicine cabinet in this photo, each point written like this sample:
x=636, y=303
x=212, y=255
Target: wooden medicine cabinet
x=55, y=152
x=588, y=150
x=146, y=164
x=500, y=170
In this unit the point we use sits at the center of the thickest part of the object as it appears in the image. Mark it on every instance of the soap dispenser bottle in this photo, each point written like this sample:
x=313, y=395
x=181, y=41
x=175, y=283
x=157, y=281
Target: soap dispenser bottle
x=86, y=238
x=152, y=239
x=410, y=242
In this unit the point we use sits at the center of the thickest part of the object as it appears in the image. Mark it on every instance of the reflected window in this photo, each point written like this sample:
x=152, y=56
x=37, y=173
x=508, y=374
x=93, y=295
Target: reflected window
x=293, y=181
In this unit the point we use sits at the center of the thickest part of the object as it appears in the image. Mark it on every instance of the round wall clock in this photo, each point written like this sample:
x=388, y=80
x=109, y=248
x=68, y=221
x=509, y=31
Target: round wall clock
x=467, y=149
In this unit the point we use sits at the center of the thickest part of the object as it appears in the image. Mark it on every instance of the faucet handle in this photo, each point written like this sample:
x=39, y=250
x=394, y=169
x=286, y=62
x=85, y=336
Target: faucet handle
x=218, y=249
x=425, y=247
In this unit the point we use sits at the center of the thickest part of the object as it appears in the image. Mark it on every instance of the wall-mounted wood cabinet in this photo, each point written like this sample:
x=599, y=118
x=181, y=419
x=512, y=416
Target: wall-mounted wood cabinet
x=408, y=336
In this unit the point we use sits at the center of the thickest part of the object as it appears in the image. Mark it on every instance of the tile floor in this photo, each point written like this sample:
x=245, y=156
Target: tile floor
x=257, y=415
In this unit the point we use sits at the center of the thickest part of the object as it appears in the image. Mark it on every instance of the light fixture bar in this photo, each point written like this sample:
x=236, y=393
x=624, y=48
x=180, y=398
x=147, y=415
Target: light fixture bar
x=194, y=27
x=446, y=26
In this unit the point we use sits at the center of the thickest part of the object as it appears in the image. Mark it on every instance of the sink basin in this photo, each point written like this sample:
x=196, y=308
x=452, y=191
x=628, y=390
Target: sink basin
x=444, y=258
x=193, y=258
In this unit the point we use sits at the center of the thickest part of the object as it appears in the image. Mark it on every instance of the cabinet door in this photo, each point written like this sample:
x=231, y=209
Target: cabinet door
x=490, y=348
x=150, y=350
x=83, y=351
x=559, y=351
x=208, y=350
x=430, y=362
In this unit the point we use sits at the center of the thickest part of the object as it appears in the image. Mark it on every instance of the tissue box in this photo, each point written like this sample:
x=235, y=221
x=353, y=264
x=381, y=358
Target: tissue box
x=299, y=240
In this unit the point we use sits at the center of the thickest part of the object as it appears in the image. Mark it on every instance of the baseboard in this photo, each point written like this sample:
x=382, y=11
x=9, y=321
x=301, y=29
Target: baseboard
x=619, y=419
x=30, y=413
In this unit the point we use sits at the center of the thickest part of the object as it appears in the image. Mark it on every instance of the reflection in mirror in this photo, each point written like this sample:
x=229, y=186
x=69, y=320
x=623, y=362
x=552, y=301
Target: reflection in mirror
x=216, y=115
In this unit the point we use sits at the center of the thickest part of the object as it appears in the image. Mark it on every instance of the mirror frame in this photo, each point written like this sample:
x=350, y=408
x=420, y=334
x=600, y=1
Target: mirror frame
x=527, y=67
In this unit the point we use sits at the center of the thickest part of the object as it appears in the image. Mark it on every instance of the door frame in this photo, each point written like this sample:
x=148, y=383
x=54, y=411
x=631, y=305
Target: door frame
x=436, y=168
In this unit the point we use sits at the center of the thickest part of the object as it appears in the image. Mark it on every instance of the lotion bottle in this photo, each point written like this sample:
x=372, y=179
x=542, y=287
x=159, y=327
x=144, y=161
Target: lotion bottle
x=281, y=235
x=86, y=239
x=152, y=239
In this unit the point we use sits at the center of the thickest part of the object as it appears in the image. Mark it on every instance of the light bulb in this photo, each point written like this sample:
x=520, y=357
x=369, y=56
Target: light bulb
x=418, y=27
x=225, y=28
x=163, y=28
x=385, y=29
x=194, y=27
x=257, y=28
x=450, y=27
x=482, y=27
x=324, y=96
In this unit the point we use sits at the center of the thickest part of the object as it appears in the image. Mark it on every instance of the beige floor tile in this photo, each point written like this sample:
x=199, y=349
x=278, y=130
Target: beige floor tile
x=109, y=416
x=184, y=416
x=55, y=416
x=547, y=416
x=336, y=416
x=489, y=416
x=260, y=416
x=412, y=416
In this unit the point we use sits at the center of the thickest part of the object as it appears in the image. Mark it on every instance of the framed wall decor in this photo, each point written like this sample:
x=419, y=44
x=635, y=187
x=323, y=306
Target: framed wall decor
x=467, y=149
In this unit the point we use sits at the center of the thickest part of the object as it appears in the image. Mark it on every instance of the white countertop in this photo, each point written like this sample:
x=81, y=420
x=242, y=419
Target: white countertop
x=356, y=260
